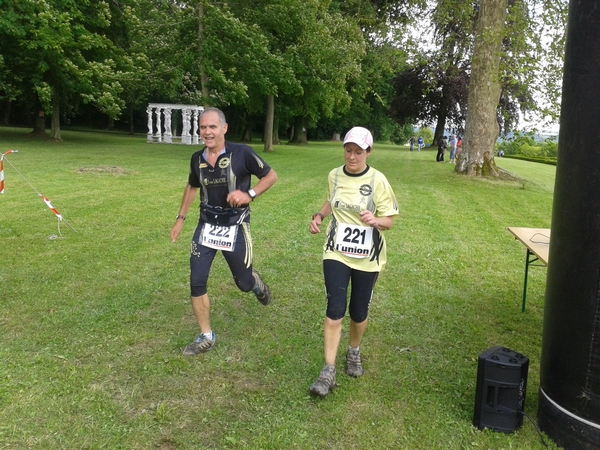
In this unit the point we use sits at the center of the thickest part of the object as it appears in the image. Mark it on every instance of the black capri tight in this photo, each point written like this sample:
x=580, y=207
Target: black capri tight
x=337, y=277
x=239, y=261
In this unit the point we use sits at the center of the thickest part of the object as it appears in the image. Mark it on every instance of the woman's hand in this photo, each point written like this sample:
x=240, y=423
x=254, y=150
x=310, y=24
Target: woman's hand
x=315, y=224
x=381, y=223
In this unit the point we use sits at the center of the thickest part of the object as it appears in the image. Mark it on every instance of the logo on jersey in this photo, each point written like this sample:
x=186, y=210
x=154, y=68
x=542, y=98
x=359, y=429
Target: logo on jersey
x=365, y=190
x=215, y=181
x=338, y=204
x=224, y=162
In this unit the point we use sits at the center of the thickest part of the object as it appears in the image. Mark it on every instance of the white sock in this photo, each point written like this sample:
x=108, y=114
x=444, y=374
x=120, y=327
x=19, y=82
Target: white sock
x=208, y=335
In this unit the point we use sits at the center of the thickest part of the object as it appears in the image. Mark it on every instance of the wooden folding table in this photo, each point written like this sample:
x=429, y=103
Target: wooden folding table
x=537, y=243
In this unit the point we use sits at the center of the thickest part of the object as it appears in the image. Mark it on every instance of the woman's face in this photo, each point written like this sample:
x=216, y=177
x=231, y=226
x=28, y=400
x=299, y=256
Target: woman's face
x=355, y=157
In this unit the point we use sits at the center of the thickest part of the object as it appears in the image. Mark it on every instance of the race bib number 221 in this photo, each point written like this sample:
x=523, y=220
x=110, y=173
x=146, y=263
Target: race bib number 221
x=354, y=240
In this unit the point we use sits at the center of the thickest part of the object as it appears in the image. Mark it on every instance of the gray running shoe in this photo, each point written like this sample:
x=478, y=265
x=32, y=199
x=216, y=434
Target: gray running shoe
x=261, y=290
x=353, y=363
x=325, y=383
x=201, y=345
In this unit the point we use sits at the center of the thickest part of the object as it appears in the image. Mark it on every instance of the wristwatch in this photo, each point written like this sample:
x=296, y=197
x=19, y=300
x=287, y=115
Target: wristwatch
x=318, y=214
x=179, y=216
x=252, y=194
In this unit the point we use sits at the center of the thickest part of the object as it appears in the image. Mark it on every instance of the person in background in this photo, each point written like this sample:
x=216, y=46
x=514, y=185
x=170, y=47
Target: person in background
x=420, y=143
x=222, y=171
x=442, y=144
x=452, y=143
x=411, y=141
x=362, y=205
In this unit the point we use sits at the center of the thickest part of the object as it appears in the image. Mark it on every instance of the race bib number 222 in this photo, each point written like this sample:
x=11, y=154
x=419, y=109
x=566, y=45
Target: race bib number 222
x=219, y=237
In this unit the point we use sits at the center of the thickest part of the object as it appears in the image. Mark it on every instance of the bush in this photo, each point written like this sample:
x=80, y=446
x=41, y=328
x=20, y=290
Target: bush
x=525, y=144
x=402, y=134
x=550, y=147
x=514, y=145
x=427, y=135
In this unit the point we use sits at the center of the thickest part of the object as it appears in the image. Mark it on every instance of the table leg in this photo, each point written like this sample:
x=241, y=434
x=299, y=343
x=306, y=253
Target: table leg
x=527, y=262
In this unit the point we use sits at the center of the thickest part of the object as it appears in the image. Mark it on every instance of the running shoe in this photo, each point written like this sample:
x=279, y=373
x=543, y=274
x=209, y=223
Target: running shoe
x=261, y=290
x=201, y=345
x=325, y=383
x=353, y=363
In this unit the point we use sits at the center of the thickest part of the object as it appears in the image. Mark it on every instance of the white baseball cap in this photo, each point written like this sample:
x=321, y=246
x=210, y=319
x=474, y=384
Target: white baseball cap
x=359, y=136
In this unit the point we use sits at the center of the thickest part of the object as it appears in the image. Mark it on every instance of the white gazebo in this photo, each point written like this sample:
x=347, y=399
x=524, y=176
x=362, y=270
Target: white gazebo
x=161, y=111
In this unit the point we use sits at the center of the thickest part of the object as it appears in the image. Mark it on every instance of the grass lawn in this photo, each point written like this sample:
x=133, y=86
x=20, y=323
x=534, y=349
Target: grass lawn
x=92, y=324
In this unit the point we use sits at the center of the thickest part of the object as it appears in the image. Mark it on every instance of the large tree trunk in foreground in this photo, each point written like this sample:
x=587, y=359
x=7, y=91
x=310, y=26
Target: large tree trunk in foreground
x=481, y=129
x=268, y=132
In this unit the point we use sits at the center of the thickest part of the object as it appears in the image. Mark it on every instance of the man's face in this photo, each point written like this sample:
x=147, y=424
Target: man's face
x=212, y=131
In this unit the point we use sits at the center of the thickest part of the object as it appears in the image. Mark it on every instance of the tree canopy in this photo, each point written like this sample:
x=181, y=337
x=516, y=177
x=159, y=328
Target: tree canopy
x=306, y=68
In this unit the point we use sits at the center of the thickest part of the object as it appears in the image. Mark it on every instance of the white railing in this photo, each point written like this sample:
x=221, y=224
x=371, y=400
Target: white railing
x=159, y=111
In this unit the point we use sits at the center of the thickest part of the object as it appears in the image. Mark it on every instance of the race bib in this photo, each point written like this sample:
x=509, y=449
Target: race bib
x=219, y=237
x=354, y=240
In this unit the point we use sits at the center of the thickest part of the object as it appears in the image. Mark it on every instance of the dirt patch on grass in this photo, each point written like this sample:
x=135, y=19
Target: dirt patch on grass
x=112, y=170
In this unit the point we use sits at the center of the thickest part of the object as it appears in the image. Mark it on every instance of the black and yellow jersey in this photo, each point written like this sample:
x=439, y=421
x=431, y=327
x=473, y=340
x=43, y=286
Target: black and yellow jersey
x=233, y=170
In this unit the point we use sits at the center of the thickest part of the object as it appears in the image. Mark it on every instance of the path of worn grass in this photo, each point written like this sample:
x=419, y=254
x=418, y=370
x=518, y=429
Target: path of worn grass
x=92, y=324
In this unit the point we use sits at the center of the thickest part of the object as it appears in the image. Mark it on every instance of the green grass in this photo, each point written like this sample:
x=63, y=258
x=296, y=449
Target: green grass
x=92, y=324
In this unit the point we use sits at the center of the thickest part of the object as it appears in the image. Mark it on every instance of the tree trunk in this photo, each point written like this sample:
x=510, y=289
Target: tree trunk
x=482, y=129
x=203, y=76
x=268, y=133
x=39, y=124
x=247, y=134
x=439, y=129
x=299, y=132
x=55, y=121
x=7, y=108
x=276, y=140
x=336, y=137
x=440, y=126
x=131, y=128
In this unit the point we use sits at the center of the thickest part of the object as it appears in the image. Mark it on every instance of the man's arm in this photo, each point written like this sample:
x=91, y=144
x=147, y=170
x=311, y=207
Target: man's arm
x=238, y=198
x=188, y=197
x=265, y=182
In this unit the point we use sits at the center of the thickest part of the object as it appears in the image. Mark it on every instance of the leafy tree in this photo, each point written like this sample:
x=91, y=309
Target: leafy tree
x=156, y=61
x=278, y=21
x=60, y=55
x=433, y=90
x=431, y=93
x=532, y=61
x=371, y=92
x=325, y=55
x=438, y=79
x=498, y=61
